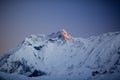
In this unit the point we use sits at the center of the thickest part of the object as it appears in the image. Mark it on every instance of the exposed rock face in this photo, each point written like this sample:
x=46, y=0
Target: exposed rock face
x=65, y=34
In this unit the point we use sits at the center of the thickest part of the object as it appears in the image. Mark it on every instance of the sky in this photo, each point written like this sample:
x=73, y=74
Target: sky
x=81, y=18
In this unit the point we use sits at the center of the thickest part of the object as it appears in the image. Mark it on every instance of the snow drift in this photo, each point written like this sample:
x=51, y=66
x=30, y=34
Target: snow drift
x=53, y=57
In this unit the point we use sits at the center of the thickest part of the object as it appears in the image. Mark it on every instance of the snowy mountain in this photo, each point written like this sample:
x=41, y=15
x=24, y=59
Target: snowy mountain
x=53, y=57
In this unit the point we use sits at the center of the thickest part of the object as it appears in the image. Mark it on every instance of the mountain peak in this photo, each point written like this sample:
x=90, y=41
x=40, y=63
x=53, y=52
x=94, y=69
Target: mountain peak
x=65, y=34
x=60, y=34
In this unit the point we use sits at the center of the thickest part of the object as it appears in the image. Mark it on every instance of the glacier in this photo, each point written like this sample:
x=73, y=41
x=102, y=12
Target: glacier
x=52, y=57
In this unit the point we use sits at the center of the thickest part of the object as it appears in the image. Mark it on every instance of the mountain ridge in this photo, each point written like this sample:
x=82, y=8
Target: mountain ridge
x=53, y=55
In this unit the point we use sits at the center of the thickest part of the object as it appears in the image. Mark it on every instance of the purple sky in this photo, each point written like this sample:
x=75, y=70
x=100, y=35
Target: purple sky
x=82, y=18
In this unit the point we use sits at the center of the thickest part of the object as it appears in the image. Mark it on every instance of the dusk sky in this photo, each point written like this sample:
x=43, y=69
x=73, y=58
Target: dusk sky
x=81, y=18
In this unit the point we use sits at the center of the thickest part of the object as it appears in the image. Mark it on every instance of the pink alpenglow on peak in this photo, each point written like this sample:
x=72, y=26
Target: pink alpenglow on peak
x=65, y=34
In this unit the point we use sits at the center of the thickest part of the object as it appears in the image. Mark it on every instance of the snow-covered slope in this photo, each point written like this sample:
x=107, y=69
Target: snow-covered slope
x=53, y=57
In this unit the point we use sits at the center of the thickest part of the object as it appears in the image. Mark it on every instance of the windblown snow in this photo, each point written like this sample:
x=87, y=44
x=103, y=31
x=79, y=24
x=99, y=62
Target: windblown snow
x=52, y=57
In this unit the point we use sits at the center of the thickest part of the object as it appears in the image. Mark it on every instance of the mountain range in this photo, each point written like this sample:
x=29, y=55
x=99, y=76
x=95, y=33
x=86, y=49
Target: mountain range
x=52, y=57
